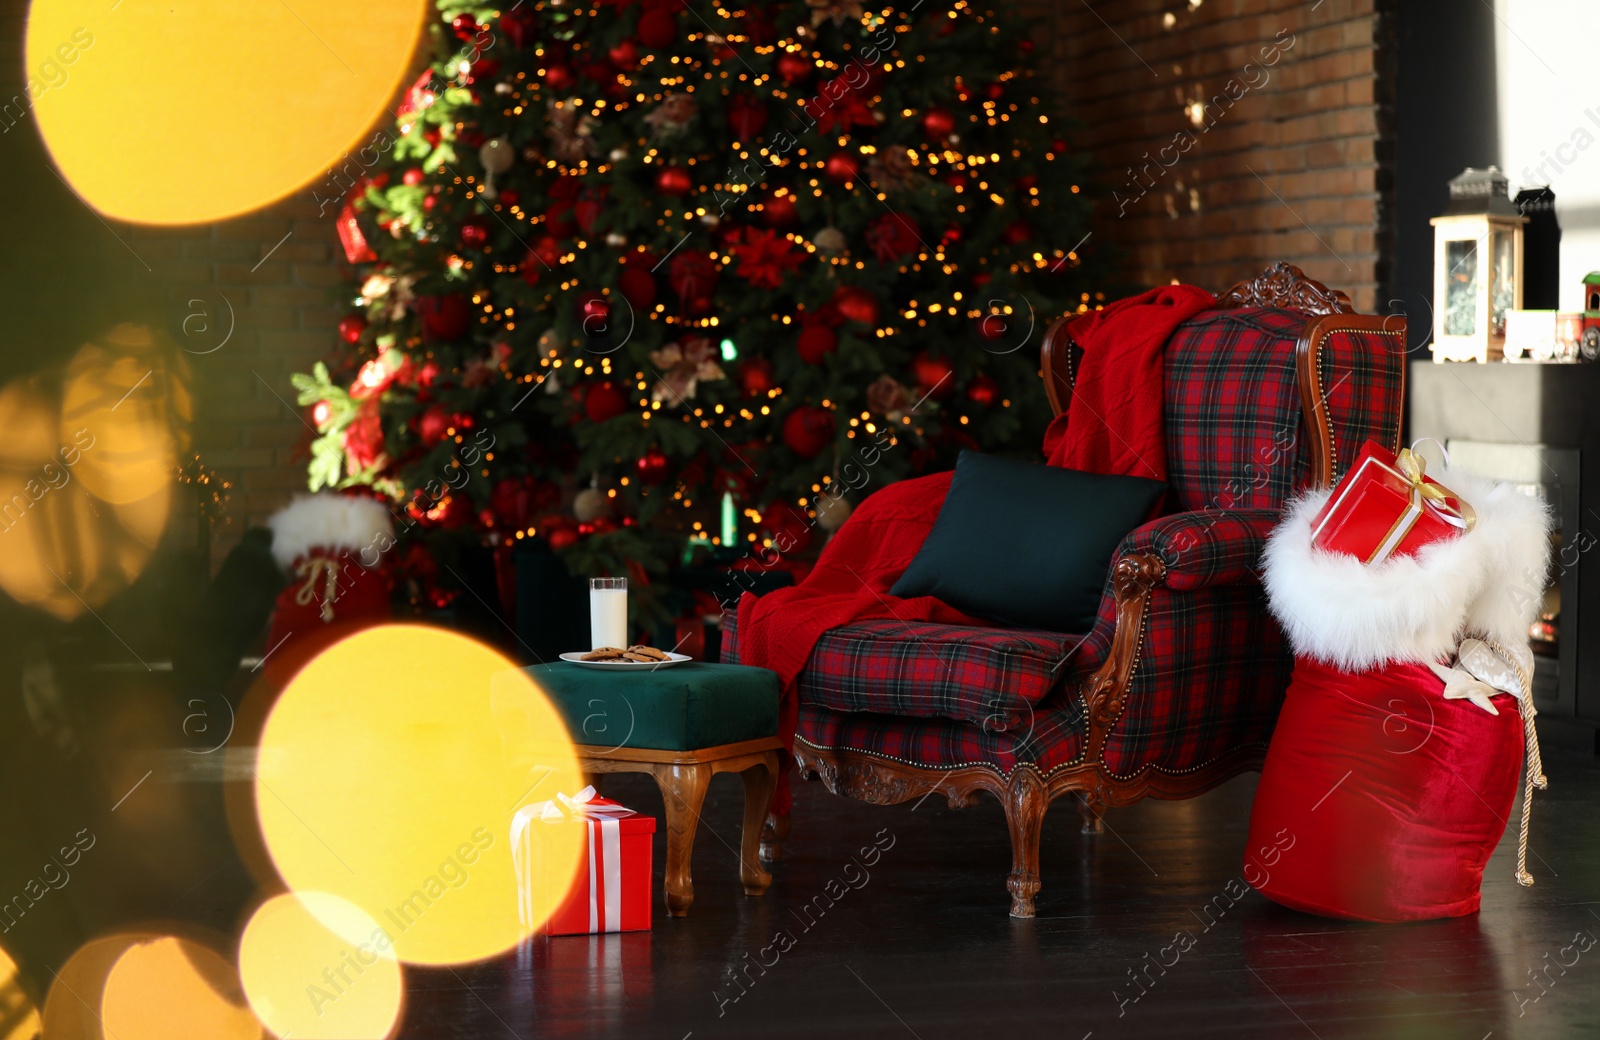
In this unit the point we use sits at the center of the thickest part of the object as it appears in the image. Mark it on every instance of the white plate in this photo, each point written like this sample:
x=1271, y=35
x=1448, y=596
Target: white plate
x=624, y=666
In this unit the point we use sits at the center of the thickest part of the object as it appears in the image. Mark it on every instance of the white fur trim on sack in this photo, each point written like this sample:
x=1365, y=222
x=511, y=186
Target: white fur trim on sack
x=1487, y=582
x=327, y=521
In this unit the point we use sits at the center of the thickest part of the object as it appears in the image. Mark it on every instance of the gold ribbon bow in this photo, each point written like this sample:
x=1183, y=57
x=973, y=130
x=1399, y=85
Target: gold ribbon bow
x=311, y=568
x=1413, y=467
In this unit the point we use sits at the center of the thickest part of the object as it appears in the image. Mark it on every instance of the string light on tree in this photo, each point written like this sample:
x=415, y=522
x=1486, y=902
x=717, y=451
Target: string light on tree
x=668, y=247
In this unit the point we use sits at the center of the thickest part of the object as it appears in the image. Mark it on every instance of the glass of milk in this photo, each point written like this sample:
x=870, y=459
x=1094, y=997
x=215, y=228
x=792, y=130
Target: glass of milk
x=608, y=612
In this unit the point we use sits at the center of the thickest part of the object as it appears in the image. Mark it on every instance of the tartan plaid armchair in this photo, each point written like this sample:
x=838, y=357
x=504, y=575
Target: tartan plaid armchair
x=1177, y=686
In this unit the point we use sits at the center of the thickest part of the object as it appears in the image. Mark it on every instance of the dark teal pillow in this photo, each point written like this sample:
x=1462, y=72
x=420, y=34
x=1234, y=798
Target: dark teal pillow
x=1027, y=545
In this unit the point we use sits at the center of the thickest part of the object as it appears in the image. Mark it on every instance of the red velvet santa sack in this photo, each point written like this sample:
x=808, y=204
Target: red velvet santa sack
x=1392, y=773
x=1385, y=798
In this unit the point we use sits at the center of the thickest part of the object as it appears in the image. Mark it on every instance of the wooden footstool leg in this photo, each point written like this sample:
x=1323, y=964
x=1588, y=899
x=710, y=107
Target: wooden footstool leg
x=683, y=788
x=760, y=782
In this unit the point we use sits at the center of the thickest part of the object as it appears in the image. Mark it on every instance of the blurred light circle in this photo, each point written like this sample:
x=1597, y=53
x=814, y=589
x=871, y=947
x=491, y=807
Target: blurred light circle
x=388, y=774
x=305, y=981
x=123, y=399
x=142, y=986
x=19, y=1016
x=171, y=987
x=264, y=97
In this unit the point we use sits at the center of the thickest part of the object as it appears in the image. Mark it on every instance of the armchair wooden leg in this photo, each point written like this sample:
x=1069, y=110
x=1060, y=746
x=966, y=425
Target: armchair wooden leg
x=760, y=781
x=1091, y=810
x=773, y=835
x=683, y=788
x=1025, y=802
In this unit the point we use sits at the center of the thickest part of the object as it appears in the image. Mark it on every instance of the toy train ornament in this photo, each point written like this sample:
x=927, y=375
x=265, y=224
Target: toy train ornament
x=1557, y=336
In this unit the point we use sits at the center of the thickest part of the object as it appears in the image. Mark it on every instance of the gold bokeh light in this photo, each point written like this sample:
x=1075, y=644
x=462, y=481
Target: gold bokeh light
x=388, y=777
x=270, y=96
x=86, y=472
x=308, y=982
x=172, y=987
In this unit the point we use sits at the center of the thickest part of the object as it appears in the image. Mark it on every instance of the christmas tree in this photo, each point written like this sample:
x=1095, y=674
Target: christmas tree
x=640, y=274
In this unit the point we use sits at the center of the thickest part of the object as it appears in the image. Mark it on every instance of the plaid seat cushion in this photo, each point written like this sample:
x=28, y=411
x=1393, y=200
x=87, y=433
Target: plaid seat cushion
x=991, y=677
x=1051, y=738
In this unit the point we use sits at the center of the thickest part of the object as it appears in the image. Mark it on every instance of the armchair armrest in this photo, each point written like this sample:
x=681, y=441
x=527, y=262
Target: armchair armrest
x=1203, y=548
x=1202, y=553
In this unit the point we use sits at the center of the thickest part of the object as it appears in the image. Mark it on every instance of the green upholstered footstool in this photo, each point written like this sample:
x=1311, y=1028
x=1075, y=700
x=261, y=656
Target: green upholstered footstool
x=682, y=725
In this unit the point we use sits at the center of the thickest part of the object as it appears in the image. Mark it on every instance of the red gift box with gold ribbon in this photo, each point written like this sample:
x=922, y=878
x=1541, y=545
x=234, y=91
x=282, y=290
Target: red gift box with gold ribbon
x=1387, y=506
x=611, y=892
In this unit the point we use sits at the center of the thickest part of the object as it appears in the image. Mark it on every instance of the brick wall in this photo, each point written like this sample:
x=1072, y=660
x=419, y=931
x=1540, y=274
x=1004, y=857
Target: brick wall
x=1289, y=162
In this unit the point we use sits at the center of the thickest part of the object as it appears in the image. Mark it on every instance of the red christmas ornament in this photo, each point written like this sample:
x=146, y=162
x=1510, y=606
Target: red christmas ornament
x=474, y=234
x=594, y=311
x=808, y=430
x=412, y=177
x=363, y=439
x=483, y=70
x=444, y=317
x=658, y=30
x=994, y=91
x=464, y=26
x=856, y=304
x=604, y=401
x=994, y=325
x=638, y=287
x=430, y=200
x=755, y=377
x=934, y=375
x=747, y=116
x=428, y=374
x=542, y=259
x=560, y=78
x=778, y=210
x=520, y=25
x=789, y=527
x=693, y=275
x=561, y=537
x=674, y=180
x=841, y=167
x=938, y=123
x=351, y=326
x=588, y=208
x=984, y=391
x=816, y=342
x=653, y=466
x=624, y=55
x=431, y=425
x=892, y=236
x=792, y=68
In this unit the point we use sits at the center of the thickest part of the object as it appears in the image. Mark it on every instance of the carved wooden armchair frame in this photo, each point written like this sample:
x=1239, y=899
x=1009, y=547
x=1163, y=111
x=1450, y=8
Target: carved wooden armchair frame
x=1026, y=794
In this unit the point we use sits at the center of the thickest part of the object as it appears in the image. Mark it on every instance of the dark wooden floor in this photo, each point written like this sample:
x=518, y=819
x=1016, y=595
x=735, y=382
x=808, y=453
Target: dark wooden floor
x=924, y=948
x=919, y=945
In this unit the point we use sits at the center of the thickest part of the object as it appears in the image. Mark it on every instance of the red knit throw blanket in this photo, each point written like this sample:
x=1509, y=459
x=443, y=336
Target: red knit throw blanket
x=1119, y=379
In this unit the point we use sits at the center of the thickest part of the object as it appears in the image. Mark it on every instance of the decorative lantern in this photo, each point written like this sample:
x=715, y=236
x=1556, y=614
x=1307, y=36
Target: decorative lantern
x=1477, y=268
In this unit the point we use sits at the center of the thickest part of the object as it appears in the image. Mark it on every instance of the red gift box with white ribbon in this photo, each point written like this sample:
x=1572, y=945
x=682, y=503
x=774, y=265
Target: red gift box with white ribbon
x=611, y=891
x=1387, y=506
